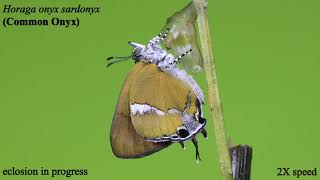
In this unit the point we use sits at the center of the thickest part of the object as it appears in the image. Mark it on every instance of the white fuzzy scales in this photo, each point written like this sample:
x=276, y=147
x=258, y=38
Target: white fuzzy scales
x=141, y=109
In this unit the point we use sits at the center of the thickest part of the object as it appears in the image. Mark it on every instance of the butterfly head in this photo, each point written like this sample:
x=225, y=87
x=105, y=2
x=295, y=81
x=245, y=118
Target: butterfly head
x=136, y=55
x=138, y=49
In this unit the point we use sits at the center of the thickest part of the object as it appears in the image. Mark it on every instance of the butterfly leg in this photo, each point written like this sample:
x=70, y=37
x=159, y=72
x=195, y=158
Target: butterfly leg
x=181, y=56
x=174, y=61
x=195, y=143
x=182, y=145
x=158, y=38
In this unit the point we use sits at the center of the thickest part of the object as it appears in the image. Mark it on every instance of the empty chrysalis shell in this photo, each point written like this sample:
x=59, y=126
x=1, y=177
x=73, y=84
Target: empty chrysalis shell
x=183, y=37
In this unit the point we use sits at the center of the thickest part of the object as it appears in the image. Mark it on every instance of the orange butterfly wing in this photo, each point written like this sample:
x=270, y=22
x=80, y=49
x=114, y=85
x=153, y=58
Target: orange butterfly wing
x=125, y=141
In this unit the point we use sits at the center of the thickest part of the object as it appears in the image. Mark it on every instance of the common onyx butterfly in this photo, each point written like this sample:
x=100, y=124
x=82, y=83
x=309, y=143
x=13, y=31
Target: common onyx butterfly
x=159, y=103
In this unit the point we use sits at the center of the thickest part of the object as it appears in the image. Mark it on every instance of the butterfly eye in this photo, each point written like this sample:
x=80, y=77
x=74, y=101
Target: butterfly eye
x=137, y=51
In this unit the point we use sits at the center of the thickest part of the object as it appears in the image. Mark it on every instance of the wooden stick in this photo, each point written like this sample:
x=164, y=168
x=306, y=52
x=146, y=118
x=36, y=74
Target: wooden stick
x=241, y=157
x=213, y=91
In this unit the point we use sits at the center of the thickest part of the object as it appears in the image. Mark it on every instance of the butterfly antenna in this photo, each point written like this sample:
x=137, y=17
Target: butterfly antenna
x=109, y=58
x=116, y=60
x=119, y=57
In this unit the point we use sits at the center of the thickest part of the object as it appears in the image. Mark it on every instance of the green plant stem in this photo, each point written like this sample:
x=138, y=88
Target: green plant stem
x=213, y=91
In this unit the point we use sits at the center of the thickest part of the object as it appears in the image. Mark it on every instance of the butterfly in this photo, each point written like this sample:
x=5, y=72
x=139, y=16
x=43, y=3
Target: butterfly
x=159, y=103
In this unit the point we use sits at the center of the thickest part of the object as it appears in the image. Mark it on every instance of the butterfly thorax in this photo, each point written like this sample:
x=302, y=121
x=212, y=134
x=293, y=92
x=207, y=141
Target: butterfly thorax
x=156, y=55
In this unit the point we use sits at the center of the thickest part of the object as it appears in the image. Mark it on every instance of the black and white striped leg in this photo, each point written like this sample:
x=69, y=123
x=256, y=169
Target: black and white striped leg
x=177, y=59
x=158, y=38
x=195, y=143
x=181, y=56
x=182, y=145
x=165, y=34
